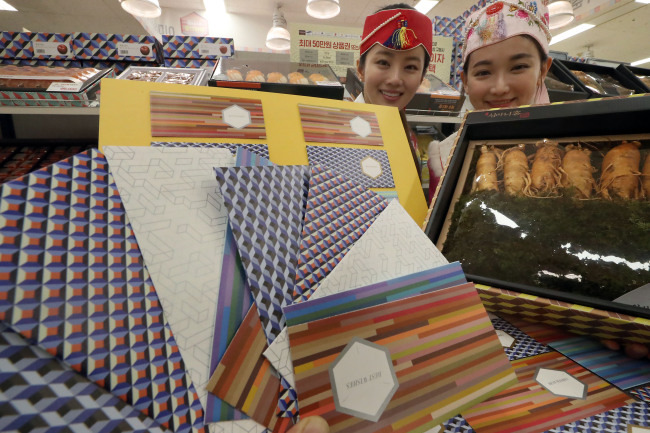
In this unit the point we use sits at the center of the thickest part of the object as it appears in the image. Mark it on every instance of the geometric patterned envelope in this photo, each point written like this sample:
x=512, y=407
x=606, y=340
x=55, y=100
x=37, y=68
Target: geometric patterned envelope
x=338, y=212
x=369, y=168
x=179, y=220
x=551, y=391
x=404, y=365
x=233, y=303
x=73, y=281
x=266, y=207
x=38, y=391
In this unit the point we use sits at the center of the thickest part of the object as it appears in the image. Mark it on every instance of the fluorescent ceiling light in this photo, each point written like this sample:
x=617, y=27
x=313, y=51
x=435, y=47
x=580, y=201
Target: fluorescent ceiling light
x=640, y=62
x=424, y=6
x=570, y=33
x=4, y=6
x=645, y=2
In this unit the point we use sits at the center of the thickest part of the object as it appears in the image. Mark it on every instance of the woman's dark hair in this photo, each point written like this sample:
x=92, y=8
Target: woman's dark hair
x=542, y=55
x=427, y=59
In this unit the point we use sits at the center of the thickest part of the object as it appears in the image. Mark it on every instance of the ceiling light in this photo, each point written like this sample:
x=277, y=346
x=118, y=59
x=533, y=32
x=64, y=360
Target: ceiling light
x=424, y=6
x=560, y=14
x=645, y=2
x=278, y=38
x=323, y=9
x=142, y=8
x=4, y=6
x=570, y=33
x=640, y=62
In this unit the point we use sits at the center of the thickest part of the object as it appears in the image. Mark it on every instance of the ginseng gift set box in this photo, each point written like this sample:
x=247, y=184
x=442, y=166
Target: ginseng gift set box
x=549, y=207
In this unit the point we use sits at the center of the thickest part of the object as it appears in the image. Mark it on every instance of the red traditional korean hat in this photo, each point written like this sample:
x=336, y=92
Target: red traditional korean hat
x=397, y=29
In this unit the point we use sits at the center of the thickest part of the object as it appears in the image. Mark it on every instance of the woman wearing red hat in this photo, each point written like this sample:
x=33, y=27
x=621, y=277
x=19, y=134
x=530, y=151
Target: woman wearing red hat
x=395, y=54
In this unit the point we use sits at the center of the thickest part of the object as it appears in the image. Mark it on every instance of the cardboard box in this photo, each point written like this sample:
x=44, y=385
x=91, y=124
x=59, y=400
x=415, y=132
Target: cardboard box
x=235, y=74
x=599, y=125
x=41, y=46
x=112, y=47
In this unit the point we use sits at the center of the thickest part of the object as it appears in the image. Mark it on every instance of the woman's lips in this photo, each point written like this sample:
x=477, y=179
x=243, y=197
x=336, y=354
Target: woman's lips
x=391, y=96
x=501, y=103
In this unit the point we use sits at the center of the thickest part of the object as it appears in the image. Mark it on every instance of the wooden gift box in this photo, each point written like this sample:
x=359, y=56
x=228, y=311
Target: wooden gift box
x=540, y=277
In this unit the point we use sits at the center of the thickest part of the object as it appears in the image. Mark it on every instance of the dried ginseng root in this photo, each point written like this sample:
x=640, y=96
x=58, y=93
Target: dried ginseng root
x=515, y=170
x=578, y=171
x=646, y=177
x=486, y=170
x=620, y=172
x=545, y=174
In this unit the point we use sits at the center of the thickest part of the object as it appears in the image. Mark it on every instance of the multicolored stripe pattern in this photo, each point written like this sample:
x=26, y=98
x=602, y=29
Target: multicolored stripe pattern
x=245, y=379
x=444, y=350
x=613, y=366
x=375, y=294
x=180, y=115
x=529, y=407
x=338, y=212
x=335, y=125
x=233, y=303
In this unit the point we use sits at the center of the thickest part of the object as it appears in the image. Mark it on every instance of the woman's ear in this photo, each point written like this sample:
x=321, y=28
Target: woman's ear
x=463, y=78
x=546, y=66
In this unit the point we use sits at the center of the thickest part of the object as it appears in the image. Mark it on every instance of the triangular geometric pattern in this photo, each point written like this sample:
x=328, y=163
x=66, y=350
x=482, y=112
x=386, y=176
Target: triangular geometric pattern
x=73, y=282
x=337, y=213
x=621, y=419
x=523, y=346
x=642, y=393
x=266, y=207
x=288, y=401
x=38, y=392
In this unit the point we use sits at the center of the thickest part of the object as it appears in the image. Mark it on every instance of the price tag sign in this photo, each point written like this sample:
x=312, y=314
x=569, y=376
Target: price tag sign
x=206, y=49
x=134, y=50
x=65, y=87
x=51, y=49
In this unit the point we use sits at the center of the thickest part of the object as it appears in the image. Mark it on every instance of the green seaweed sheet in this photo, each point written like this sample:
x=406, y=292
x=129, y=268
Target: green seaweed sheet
x=598, y=248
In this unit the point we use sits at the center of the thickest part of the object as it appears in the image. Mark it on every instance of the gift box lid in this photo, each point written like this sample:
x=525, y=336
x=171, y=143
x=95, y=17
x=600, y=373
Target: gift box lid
x=196, y=47
x=31, y=45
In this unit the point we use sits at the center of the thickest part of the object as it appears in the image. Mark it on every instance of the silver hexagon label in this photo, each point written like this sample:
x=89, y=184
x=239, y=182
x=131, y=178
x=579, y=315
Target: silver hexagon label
x=506, y=339
x=371, y=167
x=236, y=116
x=363, y=379
x=360, y=126
x=561, y=383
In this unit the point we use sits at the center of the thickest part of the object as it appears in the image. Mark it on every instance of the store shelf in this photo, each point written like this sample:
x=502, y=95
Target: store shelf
x=83, y=111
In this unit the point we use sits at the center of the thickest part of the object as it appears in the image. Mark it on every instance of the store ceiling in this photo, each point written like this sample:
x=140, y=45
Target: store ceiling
x=621, y=34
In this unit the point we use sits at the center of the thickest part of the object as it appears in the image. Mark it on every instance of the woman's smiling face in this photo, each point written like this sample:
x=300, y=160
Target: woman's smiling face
x=506, y=74
x=391, y=77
